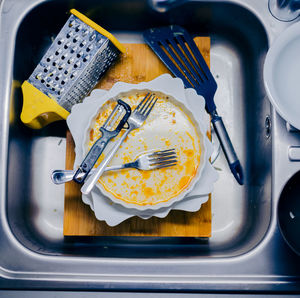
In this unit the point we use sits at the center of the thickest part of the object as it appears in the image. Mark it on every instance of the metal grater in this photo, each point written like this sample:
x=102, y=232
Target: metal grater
x=74, y=63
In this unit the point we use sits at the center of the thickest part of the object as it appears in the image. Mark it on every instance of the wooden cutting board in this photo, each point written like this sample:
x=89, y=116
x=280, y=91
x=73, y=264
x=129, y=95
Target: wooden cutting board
x=139, y=64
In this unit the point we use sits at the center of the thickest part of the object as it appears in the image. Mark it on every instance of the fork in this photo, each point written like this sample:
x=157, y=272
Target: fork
x=136, y=120
x=147, y=161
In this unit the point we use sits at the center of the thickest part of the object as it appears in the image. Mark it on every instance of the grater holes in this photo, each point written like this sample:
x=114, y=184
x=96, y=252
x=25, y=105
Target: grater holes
x=92, y=37
x=69, y=34
x=60, y=91
x=62, y=82
x=82, y=44
x=56, y=78
x=73, y=75
x=85, y=32
x=77, y=64
x=39, y=76
x=78, y=28
x=72, y=24
x=75, y=39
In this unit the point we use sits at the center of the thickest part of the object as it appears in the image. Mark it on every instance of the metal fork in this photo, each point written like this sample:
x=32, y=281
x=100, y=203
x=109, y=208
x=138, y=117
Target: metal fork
x=147, y=161
x=136, y=119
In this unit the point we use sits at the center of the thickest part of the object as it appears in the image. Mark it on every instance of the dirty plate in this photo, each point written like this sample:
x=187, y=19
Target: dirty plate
x=163, y=85
x=170, y=125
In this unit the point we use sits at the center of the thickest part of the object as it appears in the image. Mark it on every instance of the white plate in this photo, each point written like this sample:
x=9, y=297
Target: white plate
x=114, y=213
x=149, y=137
x=282, y=75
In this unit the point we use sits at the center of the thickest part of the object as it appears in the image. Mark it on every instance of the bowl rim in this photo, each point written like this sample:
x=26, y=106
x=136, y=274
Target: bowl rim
x=200, y=128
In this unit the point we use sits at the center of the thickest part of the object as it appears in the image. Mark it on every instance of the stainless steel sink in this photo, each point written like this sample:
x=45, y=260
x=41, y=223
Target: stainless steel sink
x=246, y=251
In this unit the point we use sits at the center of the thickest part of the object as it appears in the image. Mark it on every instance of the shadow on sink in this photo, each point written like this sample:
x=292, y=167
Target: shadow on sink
x=241, y=215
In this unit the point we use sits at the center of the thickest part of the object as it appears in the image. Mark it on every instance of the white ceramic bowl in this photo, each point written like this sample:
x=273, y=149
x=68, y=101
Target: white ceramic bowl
x=282, y=75
x=153, y=143
x=113, y=214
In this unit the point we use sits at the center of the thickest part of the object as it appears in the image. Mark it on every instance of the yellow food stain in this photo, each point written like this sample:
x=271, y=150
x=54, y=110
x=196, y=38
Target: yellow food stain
x=184, y=181
x=134, y=193
x=91, y=134
x=148, y=192
x=189, y=152
x=149, y=187
x=189, y=166
x=167, y=142
x=126, y=159
x=146, y=175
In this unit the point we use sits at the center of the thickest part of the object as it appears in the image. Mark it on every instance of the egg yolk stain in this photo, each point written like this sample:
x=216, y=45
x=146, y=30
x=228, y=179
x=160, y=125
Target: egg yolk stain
x=167, y=126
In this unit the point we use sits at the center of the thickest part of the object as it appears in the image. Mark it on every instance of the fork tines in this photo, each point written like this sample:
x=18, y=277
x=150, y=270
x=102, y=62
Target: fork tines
x=147, y=104
x=163, y=159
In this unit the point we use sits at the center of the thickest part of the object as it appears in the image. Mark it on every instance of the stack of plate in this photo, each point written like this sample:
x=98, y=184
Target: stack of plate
x=104, y=202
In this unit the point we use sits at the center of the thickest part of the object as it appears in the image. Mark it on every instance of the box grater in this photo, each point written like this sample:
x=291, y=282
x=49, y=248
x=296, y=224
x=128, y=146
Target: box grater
x=71, y=67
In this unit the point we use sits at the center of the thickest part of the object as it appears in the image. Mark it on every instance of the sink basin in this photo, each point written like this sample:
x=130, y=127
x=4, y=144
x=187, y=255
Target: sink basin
x=240, y=252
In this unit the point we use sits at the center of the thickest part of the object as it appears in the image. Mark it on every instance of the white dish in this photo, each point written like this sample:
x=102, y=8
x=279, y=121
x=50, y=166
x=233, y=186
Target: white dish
x=282, y=73
x=153, y=134
x=113, y=213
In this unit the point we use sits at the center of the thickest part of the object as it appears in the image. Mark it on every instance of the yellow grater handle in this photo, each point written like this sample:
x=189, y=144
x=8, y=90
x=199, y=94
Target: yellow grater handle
x=39, y=109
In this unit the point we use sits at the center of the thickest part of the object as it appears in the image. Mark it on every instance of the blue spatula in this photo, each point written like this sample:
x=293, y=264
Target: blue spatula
x=178, y=51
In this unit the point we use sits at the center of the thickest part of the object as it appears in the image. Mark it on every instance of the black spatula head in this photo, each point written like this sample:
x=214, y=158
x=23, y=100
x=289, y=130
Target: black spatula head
x=180, y=54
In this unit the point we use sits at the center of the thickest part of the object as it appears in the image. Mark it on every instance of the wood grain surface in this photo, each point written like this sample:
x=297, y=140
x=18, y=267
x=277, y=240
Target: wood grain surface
x=139, y=64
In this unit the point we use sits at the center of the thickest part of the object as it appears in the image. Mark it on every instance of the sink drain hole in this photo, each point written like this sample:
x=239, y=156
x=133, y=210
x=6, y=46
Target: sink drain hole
x=268, y=127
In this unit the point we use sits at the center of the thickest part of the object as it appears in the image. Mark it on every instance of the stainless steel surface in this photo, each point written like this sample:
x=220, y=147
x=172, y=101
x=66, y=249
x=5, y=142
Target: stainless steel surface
x=285, y=10
x=146, y=162
x=136, y=120
x=246, y=252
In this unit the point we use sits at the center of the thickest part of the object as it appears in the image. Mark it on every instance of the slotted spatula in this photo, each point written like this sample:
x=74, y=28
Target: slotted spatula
x=178, y=51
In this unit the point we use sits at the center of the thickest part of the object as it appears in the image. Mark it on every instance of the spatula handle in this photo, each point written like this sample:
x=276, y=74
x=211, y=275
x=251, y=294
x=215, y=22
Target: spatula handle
x=228, y=149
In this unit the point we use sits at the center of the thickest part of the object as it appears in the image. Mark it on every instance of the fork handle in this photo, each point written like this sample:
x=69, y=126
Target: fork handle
x=228, y=149
x=63, y=176
x=92, y=180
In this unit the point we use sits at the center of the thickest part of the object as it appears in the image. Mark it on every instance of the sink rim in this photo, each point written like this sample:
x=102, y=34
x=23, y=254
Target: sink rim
x=101, y=278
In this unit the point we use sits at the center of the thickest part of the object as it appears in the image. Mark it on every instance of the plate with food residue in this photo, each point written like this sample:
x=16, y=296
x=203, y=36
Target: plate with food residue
x=171, y=124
